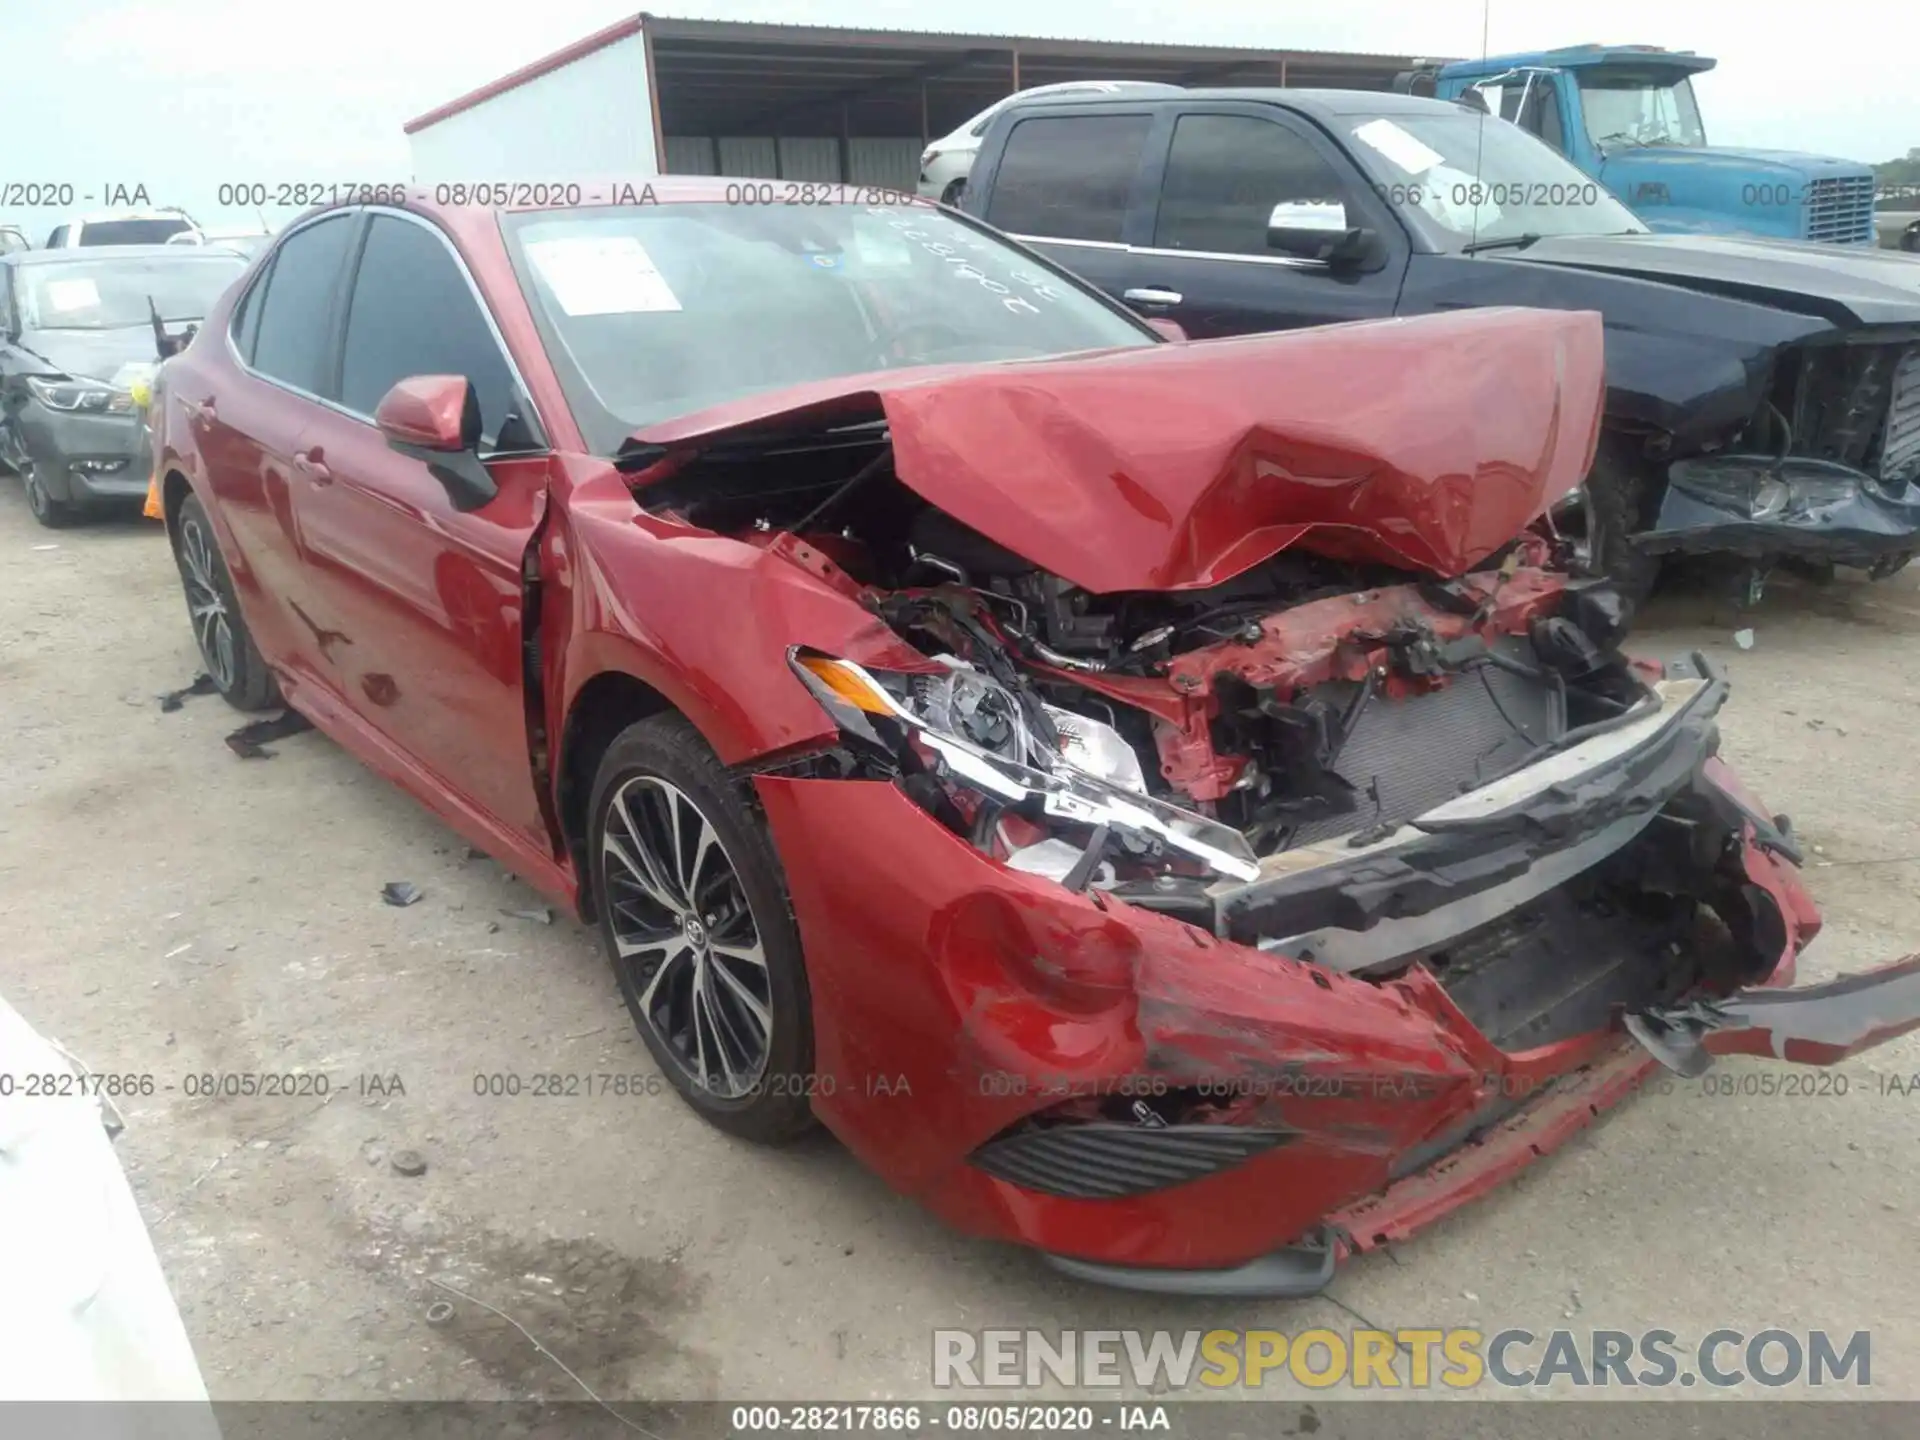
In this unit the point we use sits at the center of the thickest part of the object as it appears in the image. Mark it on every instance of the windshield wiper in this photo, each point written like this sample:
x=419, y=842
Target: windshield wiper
x=1504, y=242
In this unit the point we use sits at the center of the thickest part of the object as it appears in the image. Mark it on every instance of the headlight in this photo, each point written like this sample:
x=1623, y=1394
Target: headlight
x=75, y=395
x=979, y=734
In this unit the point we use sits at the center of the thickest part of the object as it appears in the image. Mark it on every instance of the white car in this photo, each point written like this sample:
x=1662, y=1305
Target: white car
x=85, y=1312
x=121, y=227
x=247, y=242
x=944, y=165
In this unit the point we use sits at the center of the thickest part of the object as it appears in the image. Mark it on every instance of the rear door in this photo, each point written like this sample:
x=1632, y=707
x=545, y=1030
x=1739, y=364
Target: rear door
x=246, y=421
x=1220, y=173
x=421, y=603
x=1065, y=183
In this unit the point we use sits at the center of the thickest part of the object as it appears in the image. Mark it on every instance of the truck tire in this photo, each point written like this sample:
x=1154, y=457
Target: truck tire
x=1623, y=497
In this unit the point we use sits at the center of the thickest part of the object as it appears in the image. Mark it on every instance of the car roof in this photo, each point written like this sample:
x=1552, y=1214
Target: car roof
x=88, y=254
x=101, y=216
x=1317, y=103
x=479, y=224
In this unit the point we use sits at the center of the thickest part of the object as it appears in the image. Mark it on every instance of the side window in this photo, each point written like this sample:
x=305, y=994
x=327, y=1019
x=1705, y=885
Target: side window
x=245, y=324
x=296, y=309
x=413, y=313
x=1227, y=173
x=1068, y=178
x=57, y=238
x=1540, y=115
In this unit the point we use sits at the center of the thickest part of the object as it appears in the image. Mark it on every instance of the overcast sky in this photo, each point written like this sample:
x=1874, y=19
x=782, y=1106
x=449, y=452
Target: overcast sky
x=181, y=95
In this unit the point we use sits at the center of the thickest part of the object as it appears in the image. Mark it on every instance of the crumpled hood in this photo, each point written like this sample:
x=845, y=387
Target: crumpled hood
x=93, y=354
x=1423, y=443
x=1846, y=284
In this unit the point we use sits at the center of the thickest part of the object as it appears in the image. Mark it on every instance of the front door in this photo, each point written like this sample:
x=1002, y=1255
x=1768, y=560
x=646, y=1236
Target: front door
x=1203, y=258
x=420, y=603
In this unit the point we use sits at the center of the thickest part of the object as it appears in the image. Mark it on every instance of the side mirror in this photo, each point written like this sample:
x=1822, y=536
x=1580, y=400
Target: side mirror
x=1317, y=231
x=1170, y=329
x=436, y=419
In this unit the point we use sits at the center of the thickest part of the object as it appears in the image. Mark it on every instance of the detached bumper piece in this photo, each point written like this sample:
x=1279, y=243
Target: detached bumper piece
x=1763, y=506
x=1813, y=1025
x=1294, y=1273
x=1108, y=1162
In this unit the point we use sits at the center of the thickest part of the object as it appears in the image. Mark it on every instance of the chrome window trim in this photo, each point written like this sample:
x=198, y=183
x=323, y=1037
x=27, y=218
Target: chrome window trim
x=544, y=445
x=1288, y=262
x=1120, y=245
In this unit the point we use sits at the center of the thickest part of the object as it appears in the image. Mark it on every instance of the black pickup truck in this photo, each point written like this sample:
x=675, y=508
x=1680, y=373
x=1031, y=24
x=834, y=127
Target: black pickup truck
x=1763, y=396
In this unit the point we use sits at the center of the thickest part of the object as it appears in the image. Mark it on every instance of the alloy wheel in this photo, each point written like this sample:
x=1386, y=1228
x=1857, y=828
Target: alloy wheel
x=683, y=928
x=206, y=605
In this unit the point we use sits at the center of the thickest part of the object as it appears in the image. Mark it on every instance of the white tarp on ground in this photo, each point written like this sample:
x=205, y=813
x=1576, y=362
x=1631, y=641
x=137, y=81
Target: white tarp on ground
x=85, y=1312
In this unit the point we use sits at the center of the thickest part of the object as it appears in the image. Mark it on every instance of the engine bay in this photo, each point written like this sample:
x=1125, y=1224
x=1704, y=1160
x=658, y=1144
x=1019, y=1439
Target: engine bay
x=1304, y=699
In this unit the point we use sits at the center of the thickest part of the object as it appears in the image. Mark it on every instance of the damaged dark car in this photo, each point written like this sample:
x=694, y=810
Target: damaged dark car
x=1155, y=803
x=1763, y=397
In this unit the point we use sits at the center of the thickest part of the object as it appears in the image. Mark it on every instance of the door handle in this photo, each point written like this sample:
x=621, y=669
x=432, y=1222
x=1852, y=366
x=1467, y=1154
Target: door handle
x=1151, y=295
x=308, y=465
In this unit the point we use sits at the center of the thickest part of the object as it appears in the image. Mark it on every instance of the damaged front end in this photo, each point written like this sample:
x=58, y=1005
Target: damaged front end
x=1831, y=474
x=1227, y=924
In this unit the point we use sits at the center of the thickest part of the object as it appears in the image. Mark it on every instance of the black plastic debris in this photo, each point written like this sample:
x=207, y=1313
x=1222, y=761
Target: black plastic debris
x=474, y=852
x=401, y=892
x=248, y=740
x=174, y=699
x=540, y=915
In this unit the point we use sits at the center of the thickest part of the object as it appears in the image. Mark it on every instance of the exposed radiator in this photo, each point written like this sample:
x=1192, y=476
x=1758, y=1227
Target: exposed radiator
x=1900, y=441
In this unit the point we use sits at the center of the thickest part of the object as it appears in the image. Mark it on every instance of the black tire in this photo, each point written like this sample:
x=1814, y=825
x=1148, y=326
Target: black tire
x=653, y=767
x=52, y=513
x=1623, y=492
x=955, y=189
x=238, y=671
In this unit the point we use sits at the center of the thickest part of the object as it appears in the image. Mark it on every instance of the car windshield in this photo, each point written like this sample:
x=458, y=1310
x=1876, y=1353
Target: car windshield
x=131, y=232
x=110, y=294
x=1640, y=109
x=1464, y=177
x=661, y=310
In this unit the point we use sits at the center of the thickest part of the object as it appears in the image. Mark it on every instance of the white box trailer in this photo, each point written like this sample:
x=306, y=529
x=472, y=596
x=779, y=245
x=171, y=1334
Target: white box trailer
x=653, y=95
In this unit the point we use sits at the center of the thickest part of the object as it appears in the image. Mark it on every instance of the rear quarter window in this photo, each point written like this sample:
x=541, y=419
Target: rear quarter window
x=296, y=309
x=1068, y=177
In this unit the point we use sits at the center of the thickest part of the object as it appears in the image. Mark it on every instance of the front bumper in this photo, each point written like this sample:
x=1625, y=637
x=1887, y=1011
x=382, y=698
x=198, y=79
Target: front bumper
x=1852, y=522
x=955, y=999
x=86, y=457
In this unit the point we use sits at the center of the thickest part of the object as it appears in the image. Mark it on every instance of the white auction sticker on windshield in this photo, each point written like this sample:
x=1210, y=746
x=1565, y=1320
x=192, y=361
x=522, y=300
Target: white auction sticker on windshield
x=71, y=294
x=602, y=275
x=881, y=249
x=1403, y=149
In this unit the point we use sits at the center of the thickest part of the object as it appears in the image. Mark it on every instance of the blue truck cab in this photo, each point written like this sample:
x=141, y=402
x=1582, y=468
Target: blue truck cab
x=1626, y=115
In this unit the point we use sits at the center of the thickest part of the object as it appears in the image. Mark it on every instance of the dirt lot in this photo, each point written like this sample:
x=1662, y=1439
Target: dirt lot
x=172, y=909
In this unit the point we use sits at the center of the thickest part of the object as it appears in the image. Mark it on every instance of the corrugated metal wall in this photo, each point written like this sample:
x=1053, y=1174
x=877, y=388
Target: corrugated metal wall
x=894, y=163
x=691, y=155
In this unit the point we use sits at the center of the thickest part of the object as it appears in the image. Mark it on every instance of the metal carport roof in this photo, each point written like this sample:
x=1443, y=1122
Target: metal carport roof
x=728, y=77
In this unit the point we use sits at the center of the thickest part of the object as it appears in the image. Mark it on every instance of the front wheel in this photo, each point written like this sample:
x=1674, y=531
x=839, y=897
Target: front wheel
x=1622, y=495
x=52, y=513
x=226, y=648
x=955, y=189
x=694, y=916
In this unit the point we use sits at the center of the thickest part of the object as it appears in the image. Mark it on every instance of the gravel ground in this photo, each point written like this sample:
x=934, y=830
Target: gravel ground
x=173, y=910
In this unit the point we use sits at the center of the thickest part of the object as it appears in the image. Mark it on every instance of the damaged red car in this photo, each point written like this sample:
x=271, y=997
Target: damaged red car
x=1158, y=803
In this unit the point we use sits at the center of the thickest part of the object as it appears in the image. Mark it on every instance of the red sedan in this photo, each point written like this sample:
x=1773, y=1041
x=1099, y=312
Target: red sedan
x=1154, y=802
